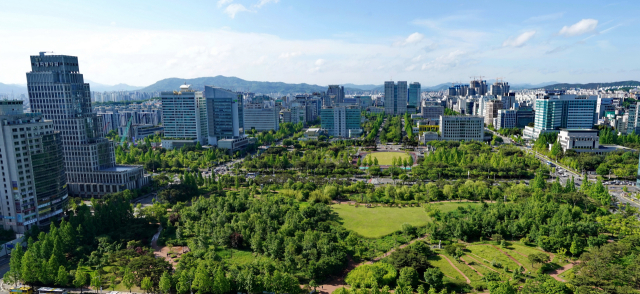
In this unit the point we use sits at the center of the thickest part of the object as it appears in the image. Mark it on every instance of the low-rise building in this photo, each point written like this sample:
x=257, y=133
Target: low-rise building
x=234, y=144
x=432, y=111
x=457, y=128
x=261, y=117
x=579, y=139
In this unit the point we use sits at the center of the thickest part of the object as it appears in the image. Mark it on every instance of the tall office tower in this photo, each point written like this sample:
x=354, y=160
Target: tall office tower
x=261, y=117
x=57, y=90
x=224, y=114
x=632, y=120
x=342, y=121
x=499, y=88
x=184, y=114
x=395, y=97
x=491, y=111
x=336, y=94
x=35, y=185
x=414, y=94
x=479, y=87
x=555, y=111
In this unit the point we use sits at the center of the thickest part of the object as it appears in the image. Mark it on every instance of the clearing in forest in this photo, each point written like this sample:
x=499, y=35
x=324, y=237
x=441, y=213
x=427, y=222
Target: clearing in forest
x=378, y=221
x=386, y=158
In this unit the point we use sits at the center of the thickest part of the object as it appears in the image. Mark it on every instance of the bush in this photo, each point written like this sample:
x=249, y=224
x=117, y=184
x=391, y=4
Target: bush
x=363, y=276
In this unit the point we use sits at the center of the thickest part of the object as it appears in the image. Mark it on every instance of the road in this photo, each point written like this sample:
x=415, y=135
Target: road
x=614, y=190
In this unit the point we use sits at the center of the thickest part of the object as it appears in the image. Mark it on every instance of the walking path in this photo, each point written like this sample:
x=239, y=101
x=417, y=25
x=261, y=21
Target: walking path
x=473, y=268
x=456, y=268
x=165, y=252
x=510, y=257
x=557, y=272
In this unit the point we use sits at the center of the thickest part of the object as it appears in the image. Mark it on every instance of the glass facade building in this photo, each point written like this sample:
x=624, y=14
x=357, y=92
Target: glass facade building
x=58, y=91
x=414, y=94
x=224, y=114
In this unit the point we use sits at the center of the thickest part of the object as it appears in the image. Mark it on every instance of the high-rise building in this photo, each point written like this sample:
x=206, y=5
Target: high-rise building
x=58, y=91
x=261, y=117
x=184, y=117
x=414, y=94
x=341, y=121
x=35, y=184
x=336, y=94
x=491, y=111
x=499, y=89
x=506, y=119
x=395, y=97
x=225, y=117
x=477, y=87
x=633, y=117
x=554, y=112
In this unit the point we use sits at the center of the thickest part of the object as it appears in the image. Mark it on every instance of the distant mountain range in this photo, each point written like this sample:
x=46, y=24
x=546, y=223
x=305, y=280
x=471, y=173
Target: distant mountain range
x=237, y=84
x=7, y=89
x=592, y=85
x=108, y=88
x=234, y=84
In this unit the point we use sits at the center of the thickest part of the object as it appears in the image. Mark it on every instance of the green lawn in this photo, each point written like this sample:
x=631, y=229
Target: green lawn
x=385, y=158
x=377, y=221
x=446, y=268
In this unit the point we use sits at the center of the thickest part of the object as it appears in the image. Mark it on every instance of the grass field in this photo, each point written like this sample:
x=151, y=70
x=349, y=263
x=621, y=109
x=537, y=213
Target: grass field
x=380, y=221
x=386, y=158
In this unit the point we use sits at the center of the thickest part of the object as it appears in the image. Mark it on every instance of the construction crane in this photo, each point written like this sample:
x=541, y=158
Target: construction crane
x=126, y=131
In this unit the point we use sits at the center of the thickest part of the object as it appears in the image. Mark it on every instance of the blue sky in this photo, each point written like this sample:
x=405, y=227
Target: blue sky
x=326, y=42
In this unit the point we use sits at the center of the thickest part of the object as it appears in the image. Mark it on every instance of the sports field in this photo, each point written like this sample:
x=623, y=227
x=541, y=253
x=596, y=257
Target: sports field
x=386, y=158
x=377, y=222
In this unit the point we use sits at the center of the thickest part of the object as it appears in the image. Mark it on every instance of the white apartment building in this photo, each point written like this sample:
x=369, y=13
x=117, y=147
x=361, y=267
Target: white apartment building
x=34, y=184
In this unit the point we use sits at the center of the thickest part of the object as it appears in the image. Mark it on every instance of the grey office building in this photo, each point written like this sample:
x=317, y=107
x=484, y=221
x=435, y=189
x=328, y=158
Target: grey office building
x=58, y=91
x=395, y=97
x=336, y=94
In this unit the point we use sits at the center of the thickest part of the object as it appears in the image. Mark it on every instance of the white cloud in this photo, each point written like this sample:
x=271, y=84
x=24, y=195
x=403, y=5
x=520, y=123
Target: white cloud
x=234, y=9
x=582, y=27
x=113, y=23
x=412, y=39
x=446, y=61
x=264, y=2
x=519, y=40
x=223, y=3
x=290, y=54
x=319, y=62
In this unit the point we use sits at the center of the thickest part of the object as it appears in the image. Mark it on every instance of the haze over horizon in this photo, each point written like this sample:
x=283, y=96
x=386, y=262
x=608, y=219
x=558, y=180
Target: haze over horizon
x=326, y=42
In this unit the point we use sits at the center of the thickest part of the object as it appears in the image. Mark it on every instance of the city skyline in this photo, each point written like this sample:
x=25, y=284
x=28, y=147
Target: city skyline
x=429, y=43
